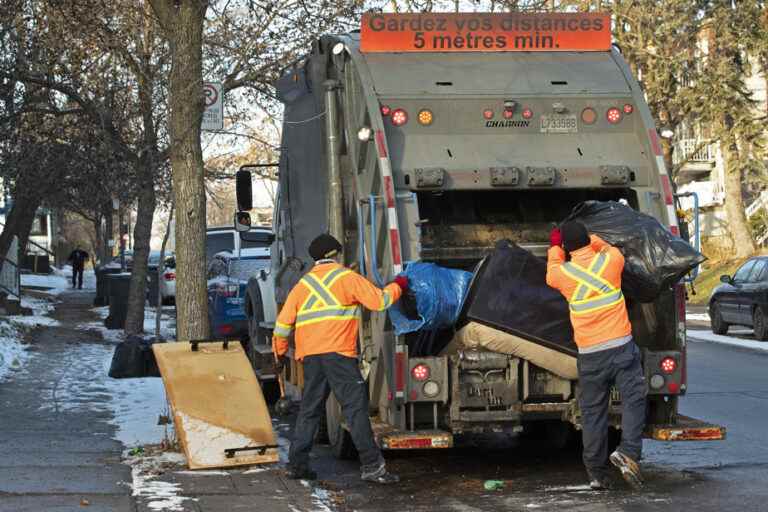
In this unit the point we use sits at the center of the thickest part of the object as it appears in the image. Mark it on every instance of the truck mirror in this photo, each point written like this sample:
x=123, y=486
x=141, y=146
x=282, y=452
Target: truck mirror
x=725, y=279
x=243, y=190
x=242, y=221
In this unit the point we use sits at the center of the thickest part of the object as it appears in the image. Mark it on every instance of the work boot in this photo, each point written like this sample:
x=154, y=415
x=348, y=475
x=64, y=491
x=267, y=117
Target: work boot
x=380, y=475
x=630, y=470
x=301, y=473
x=598, y=480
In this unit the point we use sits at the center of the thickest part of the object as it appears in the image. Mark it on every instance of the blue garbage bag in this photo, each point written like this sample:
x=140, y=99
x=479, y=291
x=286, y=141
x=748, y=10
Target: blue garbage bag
x=439, y=294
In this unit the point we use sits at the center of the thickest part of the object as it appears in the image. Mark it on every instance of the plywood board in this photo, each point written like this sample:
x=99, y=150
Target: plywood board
x=217, y=403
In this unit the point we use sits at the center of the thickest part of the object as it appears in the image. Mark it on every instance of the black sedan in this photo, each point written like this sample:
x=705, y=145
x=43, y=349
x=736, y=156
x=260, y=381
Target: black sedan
x=742, y=299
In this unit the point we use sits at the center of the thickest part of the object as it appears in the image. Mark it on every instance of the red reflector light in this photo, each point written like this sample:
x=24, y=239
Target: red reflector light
x=226, y=329
x=411, y=443
x=169, y=276
x=668, y=365
x=628, y=109
x=488, y=113
x=420, y=372
x=613, y=115
x=399, y=371
x=385, y=110
x=675, y=230
x=527, y=113
x=399, y=117
x=508, y=113
x=667, y=186
x=673, y=387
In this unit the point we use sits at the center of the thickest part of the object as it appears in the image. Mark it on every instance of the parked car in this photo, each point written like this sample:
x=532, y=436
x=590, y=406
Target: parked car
x=742, y=299
x=168, y=278
x=227, y=280
x=227, y=239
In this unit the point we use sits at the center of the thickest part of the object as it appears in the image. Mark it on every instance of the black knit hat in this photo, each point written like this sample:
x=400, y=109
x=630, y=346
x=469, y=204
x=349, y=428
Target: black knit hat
x=575, y=235
x=324, y=246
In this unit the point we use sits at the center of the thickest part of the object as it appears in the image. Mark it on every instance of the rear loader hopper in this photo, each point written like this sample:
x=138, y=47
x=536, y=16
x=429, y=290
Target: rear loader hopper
x=409, y=152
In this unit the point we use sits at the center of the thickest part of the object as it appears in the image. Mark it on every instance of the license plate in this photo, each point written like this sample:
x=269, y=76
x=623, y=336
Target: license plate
x=559, y=123
x=236, y=301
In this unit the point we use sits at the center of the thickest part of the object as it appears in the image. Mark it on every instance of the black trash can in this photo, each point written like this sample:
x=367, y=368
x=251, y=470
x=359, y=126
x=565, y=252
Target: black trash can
x=118, y=284
x=152, y=285
x=102, y=284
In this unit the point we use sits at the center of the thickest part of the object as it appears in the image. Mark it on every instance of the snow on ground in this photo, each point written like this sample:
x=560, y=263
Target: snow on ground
x=58, y=281
x=696, y=317
x=40, y=309
x=13, y=354
x=709, y=336
x=157, y=494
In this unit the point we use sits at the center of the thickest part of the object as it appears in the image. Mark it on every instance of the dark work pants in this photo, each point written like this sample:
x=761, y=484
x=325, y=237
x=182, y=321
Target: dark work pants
x=77, y=277
x=597, y=372
x=324, y=373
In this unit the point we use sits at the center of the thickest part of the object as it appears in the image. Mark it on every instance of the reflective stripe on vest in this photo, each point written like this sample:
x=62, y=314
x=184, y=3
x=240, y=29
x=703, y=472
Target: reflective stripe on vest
x=606, y=295
x=322, y=304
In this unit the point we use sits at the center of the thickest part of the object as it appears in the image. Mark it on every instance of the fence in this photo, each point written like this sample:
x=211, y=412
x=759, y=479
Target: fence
x=10, y=279
x=692, y=150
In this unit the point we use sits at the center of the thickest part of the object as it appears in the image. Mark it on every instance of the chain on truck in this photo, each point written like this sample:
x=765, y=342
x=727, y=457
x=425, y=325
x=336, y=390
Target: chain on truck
x=431, y=145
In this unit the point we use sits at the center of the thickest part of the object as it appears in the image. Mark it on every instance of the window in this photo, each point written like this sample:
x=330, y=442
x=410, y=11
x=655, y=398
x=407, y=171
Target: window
x=39, y=226
x=256, y=239
x=217, y=268
x=742, y=274
x=248, y=267
x=217, y=242
x=759, y=271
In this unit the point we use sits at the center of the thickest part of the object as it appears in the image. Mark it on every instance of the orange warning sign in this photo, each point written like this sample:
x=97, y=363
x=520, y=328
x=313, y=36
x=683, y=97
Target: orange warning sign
x=488, y=32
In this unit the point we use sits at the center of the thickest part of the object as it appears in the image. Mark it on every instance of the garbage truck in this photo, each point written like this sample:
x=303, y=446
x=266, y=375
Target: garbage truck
x=430, y=137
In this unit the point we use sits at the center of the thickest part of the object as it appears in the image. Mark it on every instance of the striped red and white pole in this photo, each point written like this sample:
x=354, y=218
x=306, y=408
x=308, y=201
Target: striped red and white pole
x=389, y=195
x=665, y=183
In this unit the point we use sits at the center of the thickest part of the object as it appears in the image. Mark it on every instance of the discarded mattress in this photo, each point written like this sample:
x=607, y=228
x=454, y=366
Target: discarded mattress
x=481, y=337
x=509, y=292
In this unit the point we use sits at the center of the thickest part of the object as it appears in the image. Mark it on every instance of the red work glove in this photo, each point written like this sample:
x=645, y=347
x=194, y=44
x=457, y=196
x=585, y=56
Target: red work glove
x=402, y=282
x=555, y=238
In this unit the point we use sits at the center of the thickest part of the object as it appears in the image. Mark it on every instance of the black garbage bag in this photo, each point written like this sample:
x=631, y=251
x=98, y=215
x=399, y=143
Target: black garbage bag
x=655, y=259
x=509, y=292
x=133, y=358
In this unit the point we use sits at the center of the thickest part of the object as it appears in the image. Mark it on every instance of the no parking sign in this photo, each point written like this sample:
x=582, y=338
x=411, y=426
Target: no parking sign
x=213, y=114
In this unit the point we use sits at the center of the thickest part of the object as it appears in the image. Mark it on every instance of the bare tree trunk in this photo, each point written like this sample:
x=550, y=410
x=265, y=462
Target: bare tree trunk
x=743, y=243
x=109, y=234
x=142, y=233
x=19, y=222
x=183, y=24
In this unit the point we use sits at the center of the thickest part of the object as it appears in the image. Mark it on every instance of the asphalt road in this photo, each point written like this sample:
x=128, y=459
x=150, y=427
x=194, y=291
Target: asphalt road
x=727, y=385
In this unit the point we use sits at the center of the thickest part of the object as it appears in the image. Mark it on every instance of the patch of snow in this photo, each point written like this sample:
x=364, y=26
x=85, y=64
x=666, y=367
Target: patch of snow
x=214, y=472
x=321, y=498
x=158, y=495
x=167, y=323
x=34, y=320
x=38, y=306
x=206, y=442
x=254, y=471
x=568, y=488
x=109, y=335
x=136, y=405
x=709, y=336
x=102, y=311
x=54, y=284
x=700, y=317
x=13, y=354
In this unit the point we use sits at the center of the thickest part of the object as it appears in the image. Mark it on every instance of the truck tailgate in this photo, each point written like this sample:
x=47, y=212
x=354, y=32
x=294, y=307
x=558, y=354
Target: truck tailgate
x=686, y=429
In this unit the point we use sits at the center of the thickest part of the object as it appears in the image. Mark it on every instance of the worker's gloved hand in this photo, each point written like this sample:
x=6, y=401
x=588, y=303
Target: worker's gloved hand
x=281, y=362
x=402, y=282
x=555, y=237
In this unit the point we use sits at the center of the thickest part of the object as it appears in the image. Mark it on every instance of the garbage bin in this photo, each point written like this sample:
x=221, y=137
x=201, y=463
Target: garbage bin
x=118, y=285
x=152, y=284
x=102, y=285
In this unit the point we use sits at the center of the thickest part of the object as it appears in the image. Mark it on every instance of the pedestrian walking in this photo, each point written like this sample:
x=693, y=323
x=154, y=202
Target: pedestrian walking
x=591, y=283
x=78, y=257
x=322, y=312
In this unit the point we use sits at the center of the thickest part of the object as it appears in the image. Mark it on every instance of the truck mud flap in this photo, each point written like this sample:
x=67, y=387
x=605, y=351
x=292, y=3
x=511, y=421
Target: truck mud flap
x=218, y=408
x=686, y=429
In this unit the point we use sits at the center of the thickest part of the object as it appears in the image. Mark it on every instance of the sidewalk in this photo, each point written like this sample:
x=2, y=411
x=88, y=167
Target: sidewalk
x=68, y=428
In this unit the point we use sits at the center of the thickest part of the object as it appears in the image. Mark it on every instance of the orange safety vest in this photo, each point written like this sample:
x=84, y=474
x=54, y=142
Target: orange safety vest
x=323, y=310
x=591, y=283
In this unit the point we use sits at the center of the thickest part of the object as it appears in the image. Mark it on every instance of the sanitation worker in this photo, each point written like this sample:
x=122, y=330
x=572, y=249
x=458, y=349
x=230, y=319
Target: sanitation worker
x=591, y=283
x=322, y=312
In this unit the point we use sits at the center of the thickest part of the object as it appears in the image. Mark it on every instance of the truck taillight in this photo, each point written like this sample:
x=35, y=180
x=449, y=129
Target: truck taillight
x=169, y=276
x=425, y=117
x=527, y=113
x=227, y=290
x=488, y=113
x=628, y=109
x=399, y=117
x=588, y=116
x=420, y=372
x=613, y=115
x=668, y=365
x=385, y=110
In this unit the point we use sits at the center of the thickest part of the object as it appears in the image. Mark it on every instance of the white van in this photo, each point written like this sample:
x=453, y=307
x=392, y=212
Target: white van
x=225, y=238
